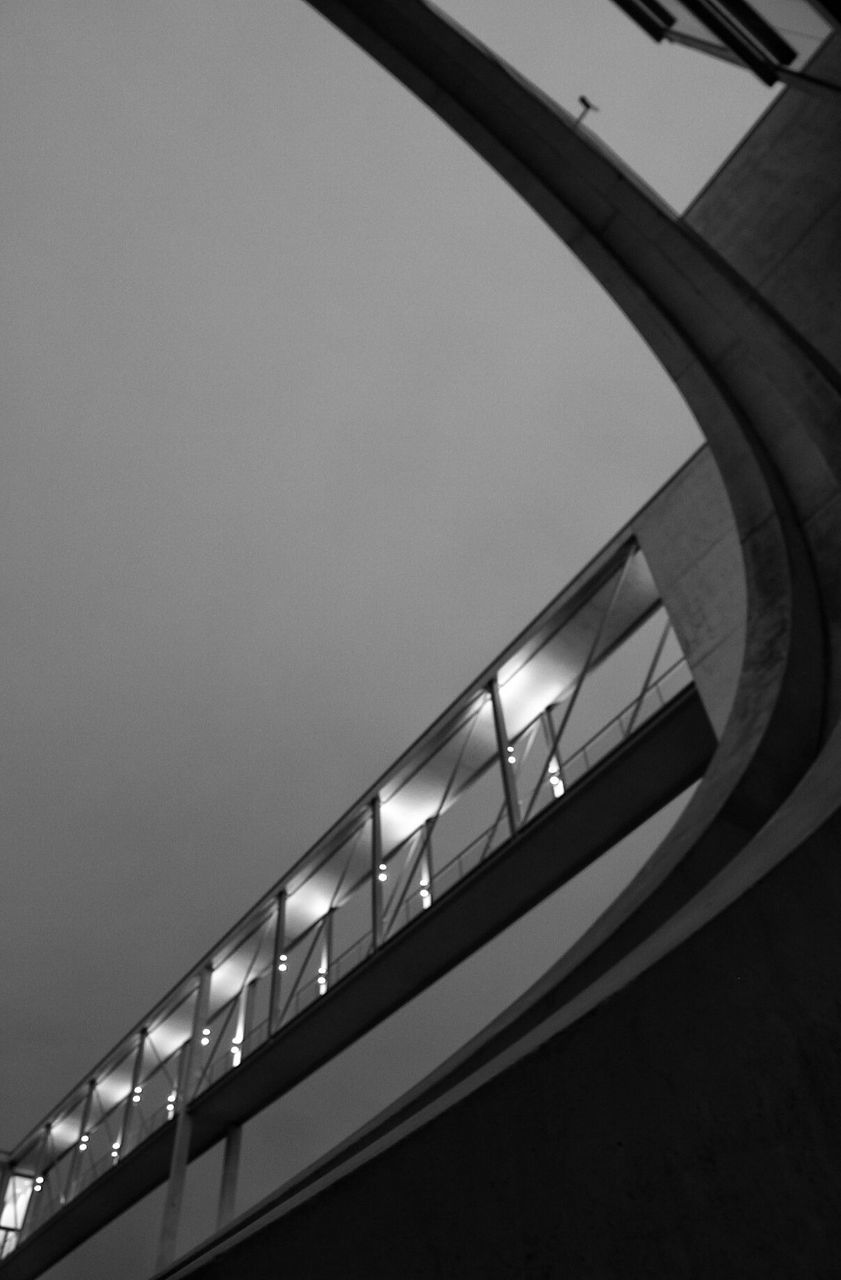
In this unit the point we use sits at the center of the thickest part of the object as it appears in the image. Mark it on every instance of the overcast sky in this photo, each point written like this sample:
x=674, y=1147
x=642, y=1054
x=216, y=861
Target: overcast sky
x=304, y=415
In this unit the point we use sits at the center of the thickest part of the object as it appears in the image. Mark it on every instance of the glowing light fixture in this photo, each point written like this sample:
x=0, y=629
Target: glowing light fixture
x=205, y=1036
x=512, y=759
x=282, y=966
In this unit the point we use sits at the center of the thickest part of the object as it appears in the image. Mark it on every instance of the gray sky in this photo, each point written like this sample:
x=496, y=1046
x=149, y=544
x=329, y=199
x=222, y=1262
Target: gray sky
x=304, y=415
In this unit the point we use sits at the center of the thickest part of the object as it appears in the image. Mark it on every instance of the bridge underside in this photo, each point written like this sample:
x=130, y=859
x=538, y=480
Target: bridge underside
x=688, y=1127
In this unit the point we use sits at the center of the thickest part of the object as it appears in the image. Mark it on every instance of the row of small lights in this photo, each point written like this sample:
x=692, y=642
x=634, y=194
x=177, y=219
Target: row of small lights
x=557, y=785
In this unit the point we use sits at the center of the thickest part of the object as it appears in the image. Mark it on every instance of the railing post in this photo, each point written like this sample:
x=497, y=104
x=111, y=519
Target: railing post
x=425, y=865
x=5, y=1179
x=278, y=958
x=245, y=1019
x=181, y=1141
x=326, y=953
x=66, y=1192
x=133, y=1100
x=30, y=1212
x=377, y=870
x=509, y=785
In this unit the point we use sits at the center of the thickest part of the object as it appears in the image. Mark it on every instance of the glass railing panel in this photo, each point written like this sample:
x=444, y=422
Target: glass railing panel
x=352, y=924
x=216, y=1042
x=600, y=623
x=100, y=1144
x=610, y=686
x=256, y=1028
x=249, y=958
x=531, y=761
x=325, y=887
x=171, y=1030
x=406, y=869
x=16, y=1202
x=439, y=777
x=111, y=1089
x=476, y=820
x=156, y=1103
x=299, y=985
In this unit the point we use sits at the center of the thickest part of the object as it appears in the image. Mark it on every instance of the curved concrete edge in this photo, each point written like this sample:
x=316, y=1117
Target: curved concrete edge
x=768, y=409
x=770, y=412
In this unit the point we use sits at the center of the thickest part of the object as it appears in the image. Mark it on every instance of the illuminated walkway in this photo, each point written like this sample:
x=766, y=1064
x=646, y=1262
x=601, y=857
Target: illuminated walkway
x=583, y=727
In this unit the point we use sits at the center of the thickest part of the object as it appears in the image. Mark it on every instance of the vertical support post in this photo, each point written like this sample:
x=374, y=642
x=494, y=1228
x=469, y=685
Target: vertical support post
x=377, y=866
x=278, y=959
x=425, y=864
x=509, y=786
x=181, y=1142
x=5, y=1179
x=132, y=1104
x=245, y=1019
x=73, y=1164
x=230, y=1175
x=554, y=765
x=326, y=954
x=30, y=1213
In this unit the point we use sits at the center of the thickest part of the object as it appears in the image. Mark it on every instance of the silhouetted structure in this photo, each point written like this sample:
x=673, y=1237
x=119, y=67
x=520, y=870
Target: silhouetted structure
x=664, y=1101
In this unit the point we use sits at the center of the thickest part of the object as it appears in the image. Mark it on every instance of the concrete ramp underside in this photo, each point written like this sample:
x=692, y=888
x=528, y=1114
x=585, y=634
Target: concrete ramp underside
x=687, y=1127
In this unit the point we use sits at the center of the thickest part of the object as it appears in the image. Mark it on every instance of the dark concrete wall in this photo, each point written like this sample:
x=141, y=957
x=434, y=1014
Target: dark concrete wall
x=774, y=209
x=689, y=1127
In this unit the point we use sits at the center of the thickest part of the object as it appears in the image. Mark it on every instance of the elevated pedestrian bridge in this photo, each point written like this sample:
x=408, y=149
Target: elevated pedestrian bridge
x=587, y=724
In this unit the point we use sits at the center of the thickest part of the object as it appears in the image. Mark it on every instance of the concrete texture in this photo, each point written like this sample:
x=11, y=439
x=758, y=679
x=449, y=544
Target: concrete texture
x=774, y=208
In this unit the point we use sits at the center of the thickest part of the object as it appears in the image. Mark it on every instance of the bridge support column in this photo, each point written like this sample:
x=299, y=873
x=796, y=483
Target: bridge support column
x=230, y=1176
x=181, y=1145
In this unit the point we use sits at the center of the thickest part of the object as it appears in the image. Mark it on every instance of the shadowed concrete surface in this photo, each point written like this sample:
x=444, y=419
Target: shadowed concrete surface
x=688, y=1127
x=774, y=208
x=664, y=1101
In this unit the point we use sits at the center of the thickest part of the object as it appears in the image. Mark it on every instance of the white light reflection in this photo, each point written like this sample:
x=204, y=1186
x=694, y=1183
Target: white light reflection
x=304, y=907
x=402, y=814
x=546, y=679
x=556, y=782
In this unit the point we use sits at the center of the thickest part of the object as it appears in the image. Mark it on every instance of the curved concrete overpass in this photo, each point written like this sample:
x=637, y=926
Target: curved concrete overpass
x=690, y=1125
